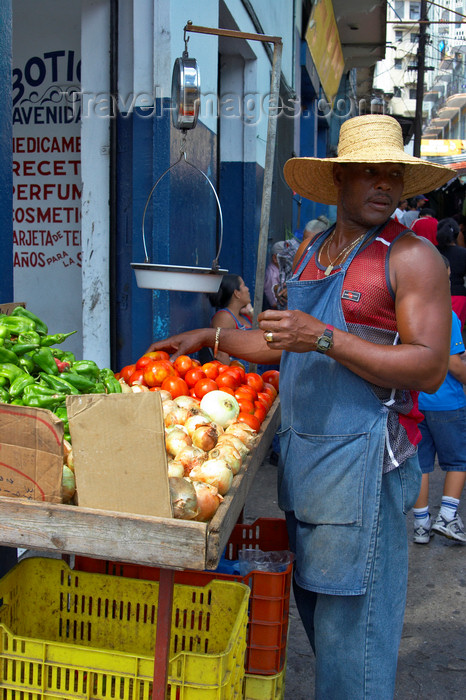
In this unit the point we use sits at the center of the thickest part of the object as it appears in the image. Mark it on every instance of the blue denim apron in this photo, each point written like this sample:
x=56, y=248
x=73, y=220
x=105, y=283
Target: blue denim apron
x=332, y=445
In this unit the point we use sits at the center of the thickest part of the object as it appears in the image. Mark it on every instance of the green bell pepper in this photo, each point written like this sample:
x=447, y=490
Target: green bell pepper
x=111, y=384
x=39, y=324
x=55, y=339
x=10, y=371
x=17, y=325
x=8, y=355
x=45, y=360
x=4, y=395
x=79, y=381
x=59, y=384
x=86, y=367
x=18, y=385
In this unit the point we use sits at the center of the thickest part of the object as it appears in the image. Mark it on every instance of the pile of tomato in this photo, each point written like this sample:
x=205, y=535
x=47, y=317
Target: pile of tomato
x=186, y=376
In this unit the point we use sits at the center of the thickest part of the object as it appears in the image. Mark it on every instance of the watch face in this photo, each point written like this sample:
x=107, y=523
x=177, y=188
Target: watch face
x=324, y=343
x=185, y=94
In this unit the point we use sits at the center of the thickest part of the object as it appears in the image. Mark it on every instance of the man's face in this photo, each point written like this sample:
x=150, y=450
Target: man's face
x=368, y=193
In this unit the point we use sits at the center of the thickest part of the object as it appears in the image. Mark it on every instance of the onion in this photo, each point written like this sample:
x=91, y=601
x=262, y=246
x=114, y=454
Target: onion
x=68, y=484
x=175, y=440
x=168, y=406
x=176, y=417
x=125, y=388
x=220, y=406
x=245, y=436
x=208, y=500
x=190, y=457
x=193, y=422
x=205, y=437
x=187, y=401
x=215, y=472
x=230, y=439
x=175, y=468
x=138, y=388
x=230, y=454
x=70, y=460
x=164, y=395
x=183, y=498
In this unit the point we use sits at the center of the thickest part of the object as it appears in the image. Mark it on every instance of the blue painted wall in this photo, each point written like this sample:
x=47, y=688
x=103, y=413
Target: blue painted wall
x=6, y=175
x=180, y=226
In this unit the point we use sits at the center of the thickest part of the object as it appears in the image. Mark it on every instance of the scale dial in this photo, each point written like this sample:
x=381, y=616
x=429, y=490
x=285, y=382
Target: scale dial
x=186, y=93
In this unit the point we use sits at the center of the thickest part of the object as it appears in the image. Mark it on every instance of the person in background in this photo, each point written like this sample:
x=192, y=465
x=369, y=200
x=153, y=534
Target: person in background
x=415, y=204
x=443, y=433
x=399, y=211
x=461, y=221
x=447, y=237
x=272, y=276
x=426, y=225
x=233, y=308
x=286, y=256
x=364, y=332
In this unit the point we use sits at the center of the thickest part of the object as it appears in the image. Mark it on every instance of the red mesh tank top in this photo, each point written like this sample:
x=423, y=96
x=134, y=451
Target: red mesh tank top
x=368, y=304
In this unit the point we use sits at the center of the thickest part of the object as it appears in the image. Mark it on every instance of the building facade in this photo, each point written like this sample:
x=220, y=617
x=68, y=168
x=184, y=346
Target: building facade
x=91, y=133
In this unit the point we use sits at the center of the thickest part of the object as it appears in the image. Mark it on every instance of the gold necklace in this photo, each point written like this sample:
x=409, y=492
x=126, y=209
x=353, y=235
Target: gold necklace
x=341, y=254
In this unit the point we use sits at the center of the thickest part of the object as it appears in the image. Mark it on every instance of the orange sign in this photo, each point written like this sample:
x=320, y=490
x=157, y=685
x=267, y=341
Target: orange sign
x=324, y=45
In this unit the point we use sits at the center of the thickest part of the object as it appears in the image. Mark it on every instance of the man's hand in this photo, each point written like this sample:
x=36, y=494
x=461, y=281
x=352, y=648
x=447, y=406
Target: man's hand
x=292, y=330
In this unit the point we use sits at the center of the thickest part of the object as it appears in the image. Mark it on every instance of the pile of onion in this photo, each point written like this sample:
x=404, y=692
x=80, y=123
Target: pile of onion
x=206, y=446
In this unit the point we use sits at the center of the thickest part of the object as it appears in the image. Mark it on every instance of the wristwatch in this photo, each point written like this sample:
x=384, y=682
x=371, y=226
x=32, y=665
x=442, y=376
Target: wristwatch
x=325, y=341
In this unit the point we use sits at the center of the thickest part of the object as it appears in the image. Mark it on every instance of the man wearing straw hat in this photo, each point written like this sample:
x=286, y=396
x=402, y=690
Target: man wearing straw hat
x=367, y=327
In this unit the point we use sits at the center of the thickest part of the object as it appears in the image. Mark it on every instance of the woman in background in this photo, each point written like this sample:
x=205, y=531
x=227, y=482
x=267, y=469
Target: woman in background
x=233, y=307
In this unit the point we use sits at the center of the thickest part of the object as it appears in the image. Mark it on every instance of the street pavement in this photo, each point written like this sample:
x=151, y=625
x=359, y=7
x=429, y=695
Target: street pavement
x=432, y=656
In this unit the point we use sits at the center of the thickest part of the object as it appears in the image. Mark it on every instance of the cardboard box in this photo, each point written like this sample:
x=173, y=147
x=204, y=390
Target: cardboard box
x=8, y=308
x=31, y=453
x=119, y=453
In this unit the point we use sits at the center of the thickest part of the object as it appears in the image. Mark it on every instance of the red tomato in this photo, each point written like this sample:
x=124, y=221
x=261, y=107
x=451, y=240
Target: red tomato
x=237, y=372
x=271, y=376
x=266, y=399
x=137, y=377
x=255, y=380
x=176, y=386
x=143, y=362
x=126, y=372
x=245, y=392
x=182, y=364
x=270, y=389
x=245, y=406
x=157, y=371
x=227, y=390
x=158, y=355
x=117, y=375
x=260, y=410
x=196, y=362
x=226, y=379
x=210, y=369
x=203, y=386
x=250, y=420
x=193, y=375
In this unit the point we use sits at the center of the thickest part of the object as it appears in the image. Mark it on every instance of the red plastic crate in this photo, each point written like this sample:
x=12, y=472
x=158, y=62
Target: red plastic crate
x=269, y=601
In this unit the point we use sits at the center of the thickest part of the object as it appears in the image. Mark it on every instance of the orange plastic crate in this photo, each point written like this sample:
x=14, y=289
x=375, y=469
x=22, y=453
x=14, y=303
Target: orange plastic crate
x=269, y=601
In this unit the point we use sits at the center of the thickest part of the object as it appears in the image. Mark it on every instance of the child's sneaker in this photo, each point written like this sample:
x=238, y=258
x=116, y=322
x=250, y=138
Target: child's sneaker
x=423, y=534
x=453, y=529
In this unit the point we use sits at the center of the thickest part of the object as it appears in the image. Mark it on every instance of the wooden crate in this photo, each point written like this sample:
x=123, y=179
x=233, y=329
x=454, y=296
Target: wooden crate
x=116, y=536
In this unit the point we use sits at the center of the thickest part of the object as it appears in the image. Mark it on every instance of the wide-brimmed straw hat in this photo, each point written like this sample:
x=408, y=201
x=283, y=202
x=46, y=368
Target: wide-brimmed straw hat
x=372, y=138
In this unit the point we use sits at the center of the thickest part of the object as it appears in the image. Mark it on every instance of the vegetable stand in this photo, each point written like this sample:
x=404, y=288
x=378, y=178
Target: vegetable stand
x=168, y=543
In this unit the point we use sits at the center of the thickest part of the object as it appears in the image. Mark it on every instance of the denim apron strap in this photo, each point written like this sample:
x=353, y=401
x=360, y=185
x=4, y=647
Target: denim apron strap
x=332, y=445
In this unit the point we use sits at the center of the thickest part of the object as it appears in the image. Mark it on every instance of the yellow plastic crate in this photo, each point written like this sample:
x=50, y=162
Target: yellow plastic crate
x=70, y=634
x=256, y=687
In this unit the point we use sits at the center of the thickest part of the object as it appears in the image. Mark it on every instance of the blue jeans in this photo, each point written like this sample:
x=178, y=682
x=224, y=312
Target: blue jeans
x=355, y=638
x=444, y=435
